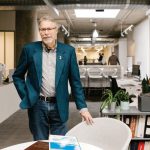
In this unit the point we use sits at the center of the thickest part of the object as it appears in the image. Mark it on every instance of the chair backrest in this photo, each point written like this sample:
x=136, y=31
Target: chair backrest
x=94, y=72
x=82, y=71
x=106, y=72
x=114, y=72
x=106, y=133
x=110, y=72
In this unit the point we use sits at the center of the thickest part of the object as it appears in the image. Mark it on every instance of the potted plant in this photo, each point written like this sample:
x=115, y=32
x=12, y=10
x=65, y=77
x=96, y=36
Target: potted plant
x=124, y=98
x=109, y=100
x=121, y=97
x=145, y=85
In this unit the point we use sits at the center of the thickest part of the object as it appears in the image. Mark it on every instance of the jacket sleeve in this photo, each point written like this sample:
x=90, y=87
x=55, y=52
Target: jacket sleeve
x=19, y=74
x=74, y=79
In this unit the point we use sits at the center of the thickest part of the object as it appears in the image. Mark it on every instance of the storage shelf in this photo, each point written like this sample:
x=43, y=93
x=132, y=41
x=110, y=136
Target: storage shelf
x=133, y=110
x=144, y=139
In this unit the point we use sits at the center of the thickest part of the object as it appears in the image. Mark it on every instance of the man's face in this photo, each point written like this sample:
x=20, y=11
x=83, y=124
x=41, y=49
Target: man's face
x=48, y=31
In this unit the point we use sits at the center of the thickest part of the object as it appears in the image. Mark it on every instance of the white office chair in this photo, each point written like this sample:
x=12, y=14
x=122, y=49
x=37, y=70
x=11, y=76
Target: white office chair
x=106, y=133
x=108, y=73
x=94, y=73
x=114, y=73
x=94, y=79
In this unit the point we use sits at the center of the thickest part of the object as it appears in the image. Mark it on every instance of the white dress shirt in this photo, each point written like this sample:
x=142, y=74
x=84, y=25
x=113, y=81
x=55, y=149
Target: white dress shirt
x=48, y=72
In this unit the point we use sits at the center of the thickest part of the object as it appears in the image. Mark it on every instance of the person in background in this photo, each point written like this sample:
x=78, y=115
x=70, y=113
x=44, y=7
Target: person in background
x=47, y=66
x=85, y=60
x=103, y=60
x=113, y=59
x=100, y=58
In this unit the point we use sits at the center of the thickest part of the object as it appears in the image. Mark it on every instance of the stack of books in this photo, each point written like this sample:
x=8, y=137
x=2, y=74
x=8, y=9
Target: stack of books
x=139, y=125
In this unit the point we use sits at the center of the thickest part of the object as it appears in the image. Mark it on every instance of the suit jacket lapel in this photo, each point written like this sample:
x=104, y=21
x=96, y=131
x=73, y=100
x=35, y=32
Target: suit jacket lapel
x=59, y=62
x=38, y=63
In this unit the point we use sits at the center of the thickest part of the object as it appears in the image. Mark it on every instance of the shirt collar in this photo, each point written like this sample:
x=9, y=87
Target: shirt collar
x=49, y=50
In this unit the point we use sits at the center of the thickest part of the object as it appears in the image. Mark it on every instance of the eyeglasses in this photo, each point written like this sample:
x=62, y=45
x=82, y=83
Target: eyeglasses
x=47, y=29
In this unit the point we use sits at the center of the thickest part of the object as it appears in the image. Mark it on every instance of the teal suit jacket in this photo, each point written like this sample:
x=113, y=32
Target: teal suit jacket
x=28, y=77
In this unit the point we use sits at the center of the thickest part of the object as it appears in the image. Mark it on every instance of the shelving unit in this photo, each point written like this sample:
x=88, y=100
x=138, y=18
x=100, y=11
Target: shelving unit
x=133, y=111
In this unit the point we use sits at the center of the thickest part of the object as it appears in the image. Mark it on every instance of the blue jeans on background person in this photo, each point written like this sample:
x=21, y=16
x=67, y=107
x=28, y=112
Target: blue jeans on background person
x=44, y=119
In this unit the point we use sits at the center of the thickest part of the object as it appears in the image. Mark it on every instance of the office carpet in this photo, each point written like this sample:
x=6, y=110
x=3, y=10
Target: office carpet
x=15, y=129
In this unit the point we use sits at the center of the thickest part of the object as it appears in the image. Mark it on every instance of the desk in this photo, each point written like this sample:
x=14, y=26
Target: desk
x=22, y=146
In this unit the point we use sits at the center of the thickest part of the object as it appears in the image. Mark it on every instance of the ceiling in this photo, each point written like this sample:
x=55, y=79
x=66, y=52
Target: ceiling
x=62, y=2
x=132, y=12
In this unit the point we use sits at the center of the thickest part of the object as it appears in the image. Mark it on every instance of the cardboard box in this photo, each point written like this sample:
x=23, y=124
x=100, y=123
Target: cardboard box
x=144, y=102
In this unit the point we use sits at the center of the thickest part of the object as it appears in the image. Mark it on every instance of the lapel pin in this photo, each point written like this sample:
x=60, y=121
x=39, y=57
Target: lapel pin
x=60, y=57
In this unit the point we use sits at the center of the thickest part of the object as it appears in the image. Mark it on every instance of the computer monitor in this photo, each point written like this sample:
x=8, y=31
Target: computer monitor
x=136, y=70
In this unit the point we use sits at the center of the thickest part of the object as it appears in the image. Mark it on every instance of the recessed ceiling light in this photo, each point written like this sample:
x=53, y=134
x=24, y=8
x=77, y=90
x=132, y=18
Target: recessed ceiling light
x=92, y=13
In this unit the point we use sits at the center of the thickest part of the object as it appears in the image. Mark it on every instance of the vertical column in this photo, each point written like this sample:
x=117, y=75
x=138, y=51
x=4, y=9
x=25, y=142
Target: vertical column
x=26, y=30
x=9, y=50
x=123, y=53
x=2, y=47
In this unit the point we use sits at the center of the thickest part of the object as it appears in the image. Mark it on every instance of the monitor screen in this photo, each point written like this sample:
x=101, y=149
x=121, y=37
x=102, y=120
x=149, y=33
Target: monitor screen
x=136, y=70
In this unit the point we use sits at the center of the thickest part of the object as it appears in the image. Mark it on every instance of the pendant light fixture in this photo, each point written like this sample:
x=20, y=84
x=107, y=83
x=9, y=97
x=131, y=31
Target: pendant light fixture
x=95, y=33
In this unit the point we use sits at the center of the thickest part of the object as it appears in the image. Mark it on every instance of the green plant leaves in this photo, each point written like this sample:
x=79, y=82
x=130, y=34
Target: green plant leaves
x=108, y=98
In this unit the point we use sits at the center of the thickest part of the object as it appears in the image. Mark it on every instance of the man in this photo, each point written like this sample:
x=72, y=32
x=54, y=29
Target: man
x=103, y=59
x=113, y=59
x=85, y=60
x=49, y=65
x=100, y=58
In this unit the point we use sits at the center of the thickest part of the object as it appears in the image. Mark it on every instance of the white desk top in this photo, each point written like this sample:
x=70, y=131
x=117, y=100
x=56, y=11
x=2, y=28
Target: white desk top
x=22, y=146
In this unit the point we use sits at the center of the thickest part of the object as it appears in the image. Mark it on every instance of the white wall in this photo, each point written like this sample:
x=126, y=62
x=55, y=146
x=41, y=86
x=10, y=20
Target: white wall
x=142, y=46
x=131, y=46
x=9, y=50
x=9, y=101
x=123, y=53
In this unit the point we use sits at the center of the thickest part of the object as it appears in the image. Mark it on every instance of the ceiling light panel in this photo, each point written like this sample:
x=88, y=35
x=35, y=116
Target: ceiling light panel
x=92, y=13
x=115, y=2
x=21, y=2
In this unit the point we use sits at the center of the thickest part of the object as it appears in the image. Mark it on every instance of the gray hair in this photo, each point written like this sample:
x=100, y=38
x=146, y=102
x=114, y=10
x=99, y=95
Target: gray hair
x=46, y=18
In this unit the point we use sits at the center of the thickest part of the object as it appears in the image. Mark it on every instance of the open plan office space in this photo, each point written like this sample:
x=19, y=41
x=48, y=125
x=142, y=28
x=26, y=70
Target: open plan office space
x=93, y=28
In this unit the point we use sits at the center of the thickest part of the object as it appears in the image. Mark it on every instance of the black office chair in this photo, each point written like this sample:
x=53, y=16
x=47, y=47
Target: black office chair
x=136, y=71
